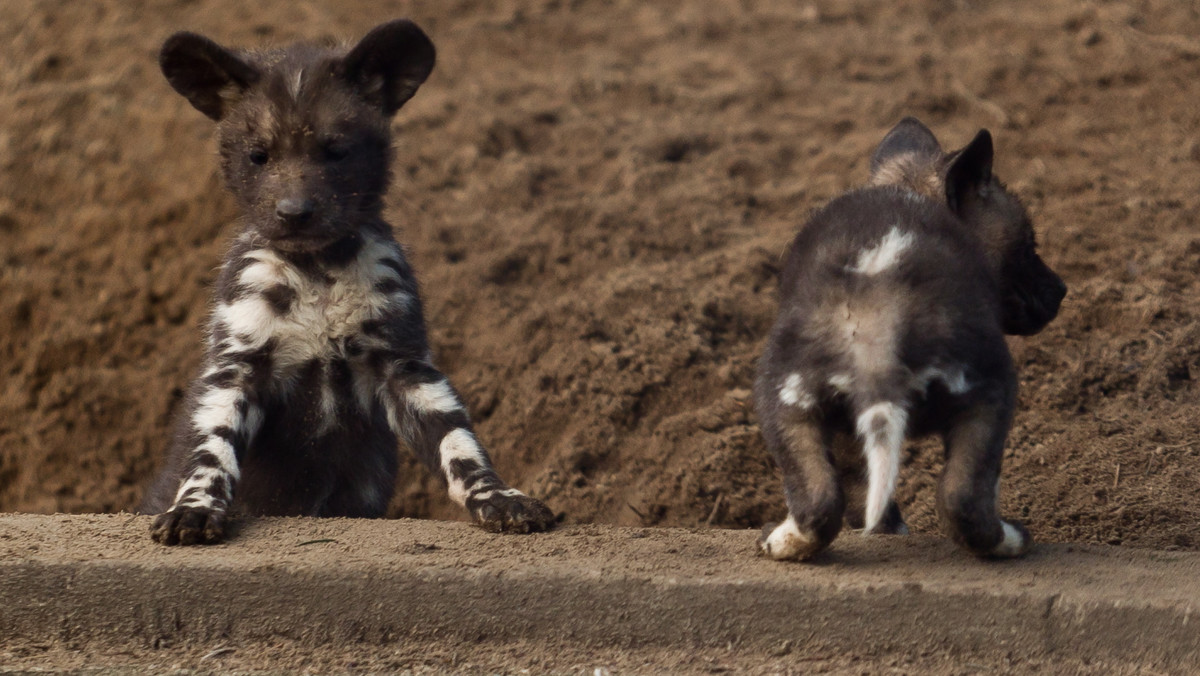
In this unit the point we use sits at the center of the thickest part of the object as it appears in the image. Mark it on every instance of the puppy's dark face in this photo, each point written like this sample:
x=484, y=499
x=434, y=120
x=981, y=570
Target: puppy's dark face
x=305, y=157
x=910, y=156
x=1030, y=292
x=303, y=132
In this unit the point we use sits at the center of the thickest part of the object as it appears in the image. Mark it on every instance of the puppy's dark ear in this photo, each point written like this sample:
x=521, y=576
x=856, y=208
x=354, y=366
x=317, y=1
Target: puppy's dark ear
x=211, y=77
x=908, y=136
x=969, y=172
x=388, y=65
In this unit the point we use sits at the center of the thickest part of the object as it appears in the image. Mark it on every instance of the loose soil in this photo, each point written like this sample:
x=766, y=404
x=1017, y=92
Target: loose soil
x=596, y=195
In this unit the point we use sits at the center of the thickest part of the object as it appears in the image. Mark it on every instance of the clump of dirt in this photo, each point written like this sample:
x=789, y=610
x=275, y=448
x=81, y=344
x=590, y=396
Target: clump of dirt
x=597, y=196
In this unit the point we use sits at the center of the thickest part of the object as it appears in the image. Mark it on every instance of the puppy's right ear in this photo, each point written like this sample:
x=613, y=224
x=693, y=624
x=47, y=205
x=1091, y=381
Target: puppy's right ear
x=909, y=136
x=209, y=76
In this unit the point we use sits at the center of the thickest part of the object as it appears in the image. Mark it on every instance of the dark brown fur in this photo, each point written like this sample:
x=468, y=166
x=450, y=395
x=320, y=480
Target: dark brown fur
x=894, y=302
x=317, y=360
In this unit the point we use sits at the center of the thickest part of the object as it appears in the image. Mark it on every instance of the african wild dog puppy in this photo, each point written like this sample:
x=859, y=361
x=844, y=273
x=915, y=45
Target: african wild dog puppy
x=894, y=302
x=317, y=358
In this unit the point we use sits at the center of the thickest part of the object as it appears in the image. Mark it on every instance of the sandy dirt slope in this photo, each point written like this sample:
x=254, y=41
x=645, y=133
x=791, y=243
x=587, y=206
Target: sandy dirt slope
x=596, y=195
x=339, y=595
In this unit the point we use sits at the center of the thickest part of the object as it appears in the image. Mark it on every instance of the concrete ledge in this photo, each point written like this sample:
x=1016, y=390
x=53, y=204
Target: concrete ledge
x=78, y=580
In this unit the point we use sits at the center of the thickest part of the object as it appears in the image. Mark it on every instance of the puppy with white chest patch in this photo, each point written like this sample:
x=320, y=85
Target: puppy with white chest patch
x=894, y=302
x=317, y=360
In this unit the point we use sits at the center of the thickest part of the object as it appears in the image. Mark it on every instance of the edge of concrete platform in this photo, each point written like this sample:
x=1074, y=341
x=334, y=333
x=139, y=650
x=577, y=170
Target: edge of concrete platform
x=87, y=579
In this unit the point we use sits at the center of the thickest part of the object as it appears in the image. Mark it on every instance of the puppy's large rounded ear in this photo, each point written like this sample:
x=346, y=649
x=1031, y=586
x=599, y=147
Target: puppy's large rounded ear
x=969, y=172
x=909, y=136
x=388, y=65
x=209, y=76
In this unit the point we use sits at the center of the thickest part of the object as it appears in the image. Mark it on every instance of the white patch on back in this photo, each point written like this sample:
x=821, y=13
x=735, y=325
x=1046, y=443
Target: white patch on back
x=459, y=444
x=882, y=428
x=885, y=254
x=787, y=541
x=792, y=393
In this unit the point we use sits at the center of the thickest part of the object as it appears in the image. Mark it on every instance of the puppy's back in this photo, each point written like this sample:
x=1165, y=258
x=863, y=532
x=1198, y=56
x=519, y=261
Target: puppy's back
x=880, y=289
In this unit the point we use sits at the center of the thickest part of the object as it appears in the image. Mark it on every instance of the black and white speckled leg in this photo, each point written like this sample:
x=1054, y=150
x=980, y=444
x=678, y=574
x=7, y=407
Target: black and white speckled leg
x=223, y=417
x=425, y=411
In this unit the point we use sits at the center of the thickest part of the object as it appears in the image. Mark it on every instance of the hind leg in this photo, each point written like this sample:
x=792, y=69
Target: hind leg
x=810, y=483
x=967, y=489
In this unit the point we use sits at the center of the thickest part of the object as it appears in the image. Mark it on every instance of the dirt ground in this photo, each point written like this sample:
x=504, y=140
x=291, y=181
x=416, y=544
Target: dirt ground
x=596, y=195
x=92, y=594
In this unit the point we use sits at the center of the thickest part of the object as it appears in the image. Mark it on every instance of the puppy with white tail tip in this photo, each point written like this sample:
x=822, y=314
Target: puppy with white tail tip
x=894, y=302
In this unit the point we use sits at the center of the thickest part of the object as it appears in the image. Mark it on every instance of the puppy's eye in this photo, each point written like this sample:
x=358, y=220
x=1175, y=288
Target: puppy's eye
x=259, y=156
x=336, y=150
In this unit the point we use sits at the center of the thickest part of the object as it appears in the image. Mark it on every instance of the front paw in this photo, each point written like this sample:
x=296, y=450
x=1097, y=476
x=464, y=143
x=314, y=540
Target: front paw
x=189, y=526
x=510, y=511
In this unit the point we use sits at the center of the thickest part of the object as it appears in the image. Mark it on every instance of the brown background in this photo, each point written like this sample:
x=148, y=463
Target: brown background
x=596, y=196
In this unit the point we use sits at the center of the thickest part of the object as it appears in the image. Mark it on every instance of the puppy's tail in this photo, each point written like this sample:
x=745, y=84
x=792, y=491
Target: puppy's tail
x=882, y=427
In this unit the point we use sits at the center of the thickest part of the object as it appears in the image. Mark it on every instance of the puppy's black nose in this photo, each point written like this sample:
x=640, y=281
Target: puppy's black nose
x=1053, y=289
x=1061, y=291
x=294, y=212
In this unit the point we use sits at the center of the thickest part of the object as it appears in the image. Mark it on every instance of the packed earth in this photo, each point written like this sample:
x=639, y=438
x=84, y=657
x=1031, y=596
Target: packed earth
x=596, y=196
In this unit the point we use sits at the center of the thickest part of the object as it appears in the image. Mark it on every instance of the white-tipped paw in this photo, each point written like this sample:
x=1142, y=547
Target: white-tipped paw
x=1016, y=541
x=786, y=541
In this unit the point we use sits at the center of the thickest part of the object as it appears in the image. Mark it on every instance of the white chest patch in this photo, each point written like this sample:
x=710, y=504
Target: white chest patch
x=885, y=254
x=321, y=312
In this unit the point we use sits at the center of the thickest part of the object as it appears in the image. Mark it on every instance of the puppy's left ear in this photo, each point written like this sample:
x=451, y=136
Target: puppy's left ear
x=970, y=172
x=909, y=137
x=389, y=63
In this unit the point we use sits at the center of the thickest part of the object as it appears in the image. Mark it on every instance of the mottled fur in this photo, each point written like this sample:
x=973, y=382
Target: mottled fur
x=317, y=359
x=894, y=302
